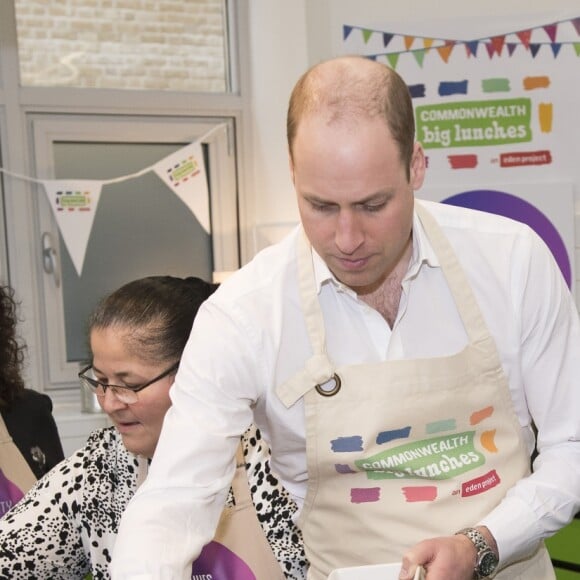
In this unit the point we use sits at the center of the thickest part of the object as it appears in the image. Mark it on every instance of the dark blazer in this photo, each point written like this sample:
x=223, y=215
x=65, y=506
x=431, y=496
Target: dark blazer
x=31, y=425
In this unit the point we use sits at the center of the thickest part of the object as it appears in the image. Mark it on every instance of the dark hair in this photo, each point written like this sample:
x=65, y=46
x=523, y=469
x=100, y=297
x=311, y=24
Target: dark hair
x=11, y=351
x=159, y=312
x=350, y=88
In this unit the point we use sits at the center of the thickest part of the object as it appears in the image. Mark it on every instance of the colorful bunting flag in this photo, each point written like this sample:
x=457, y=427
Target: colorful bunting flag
x=551, y=30
x=531, y=39
x=74, y=205
x=445, y=51
x=184, y=173
x=387, y=37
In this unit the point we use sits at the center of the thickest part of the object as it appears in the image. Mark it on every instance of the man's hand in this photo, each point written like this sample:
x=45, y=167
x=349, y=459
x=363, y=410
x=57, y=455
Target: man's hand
x=444, y=558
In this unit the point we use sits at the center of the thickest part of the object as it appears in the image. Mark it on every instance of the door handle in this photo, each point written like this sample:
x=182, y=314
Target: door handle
x=50, y=263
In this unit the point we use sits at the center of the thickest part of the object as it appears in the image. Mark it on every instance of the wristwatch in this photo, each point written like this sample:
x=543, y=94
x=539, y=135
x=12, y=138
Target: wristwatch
x=486, y=561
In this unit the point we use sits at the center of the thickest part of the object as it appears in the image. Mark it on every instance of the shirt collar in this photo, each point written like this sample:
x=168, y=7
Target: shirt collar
x=423, y=253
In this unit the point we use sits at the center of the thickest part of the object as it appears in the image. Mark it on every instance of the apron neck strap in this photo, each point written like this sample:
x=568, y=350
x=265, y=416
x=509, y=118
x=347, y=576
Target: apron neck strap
x=460, y=288
x=318, y=369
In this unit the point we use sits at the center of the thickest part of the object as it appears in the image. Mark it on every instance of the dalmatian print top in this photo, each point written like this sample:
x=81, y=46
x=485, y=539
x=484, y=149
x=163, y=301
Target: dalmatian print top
x=65, y=526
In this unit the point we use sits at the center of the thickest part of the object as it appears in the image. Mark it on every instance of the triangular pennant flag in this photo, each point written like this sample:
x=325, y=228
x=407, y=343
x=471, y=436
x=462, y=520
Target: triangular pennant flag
x=346, y=30
x=471, y=47
x=393, y=59
x=490, y=49
x=366, y=33
x=577, y=48
x=427, y=42
x=409, y=40
x=387, y=37
x=184, y=173
x=556, y=46
x=524, y=36
x=534, y=48
x=74, y=205
x=371, y=56
x=445, y=51
x=498, y=42
x=511, y=46
x=419, y=56
x=576, y=23
x=551, y=30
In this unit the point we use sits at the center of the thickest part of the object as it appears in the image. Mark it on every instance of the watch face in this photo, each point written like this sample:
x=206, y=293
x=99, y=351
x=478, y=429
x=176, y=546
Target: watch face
x=487, y=564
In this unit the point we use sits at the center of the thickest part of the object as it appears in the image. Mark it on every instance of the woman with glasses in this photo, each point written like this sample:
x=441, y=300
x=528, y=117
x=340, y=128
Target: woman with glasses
x=66, y=525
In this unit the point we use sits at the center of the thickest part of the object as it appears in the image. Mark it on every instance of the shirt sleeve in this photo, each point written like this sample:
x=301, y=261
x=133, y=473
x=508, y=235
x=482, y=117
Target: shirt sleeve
x=40, y=537
x=274, y=507
x=549, y=498
x=175, y=512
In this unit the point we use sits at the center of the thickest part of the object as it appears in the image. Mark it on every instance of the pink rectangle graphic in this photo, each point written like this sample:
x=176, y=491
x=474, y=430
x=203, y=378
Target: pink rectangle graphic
x=420, y=493
x=462, y=161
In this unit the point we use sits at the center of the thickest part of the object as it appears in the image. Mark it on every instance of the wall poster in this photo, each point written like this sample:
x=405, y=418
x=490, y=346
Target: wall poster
x=497, y=117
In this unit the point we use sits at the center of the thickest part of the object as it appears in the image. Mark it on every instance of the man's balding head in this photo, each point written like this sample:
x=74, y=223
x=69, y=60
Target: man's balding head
x=349, y=88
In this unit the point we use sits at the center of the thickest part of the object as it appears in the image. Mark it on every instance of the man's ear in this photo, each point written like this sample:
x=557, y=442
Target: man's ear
x=291, y=166
x=417, y=171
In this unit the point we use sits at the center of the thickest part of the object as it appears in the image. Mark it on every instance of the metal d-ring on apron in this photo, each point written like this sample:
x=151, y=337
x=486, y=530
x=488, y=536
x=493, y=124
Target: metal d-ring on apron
x=408, y=414
x=330, y=387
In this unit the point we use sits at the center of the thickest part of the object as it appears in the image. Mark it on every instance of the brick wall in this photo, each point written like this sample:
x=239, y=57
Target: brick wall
x=123, y=44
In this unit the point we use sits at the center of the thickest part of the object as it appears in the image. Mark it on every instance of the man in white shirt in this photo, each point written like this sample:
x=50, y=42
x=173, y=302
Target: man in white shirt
x=397, y=355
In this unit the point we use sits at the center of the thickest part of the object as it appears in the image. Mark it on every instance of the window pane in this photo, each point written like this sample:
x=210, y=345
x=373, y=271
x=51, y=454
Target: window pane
x=139, y=230
x=178, y=45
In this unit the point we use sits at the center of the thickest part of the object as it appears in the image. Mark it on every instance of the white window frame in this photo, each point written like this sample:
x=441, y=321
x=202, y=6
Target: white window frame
x=19, y=104
x=48, y=129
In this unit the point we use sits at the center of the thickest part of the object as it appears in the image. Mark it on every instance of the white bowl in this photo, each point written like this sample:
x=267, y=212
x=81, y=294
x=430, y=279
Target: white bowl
x=375, y=572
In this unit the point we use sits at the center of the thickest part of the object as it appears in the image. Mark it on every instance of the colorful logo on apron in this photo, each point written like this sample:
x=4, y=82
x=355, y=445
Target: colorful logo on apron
x=436, y=458
x=216, y=562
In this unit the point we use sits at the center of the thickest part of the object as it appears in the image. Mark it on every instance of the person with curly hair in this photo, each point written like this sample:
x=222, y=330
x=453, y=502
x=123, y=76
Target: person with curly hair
x=27, y=413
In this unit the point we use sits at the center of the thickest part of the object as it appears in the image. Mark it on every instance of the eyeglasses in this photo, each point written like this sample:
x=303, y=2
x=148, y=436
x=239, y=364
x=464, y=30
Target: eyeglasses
x=127, y=395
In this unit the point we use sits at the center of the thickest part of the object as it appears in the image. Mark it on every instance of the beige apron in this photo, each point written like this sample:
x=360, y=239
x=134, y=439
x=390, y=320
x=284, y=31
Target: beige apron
x=406, y=449
x=16, y=477
x=239, y=549
x=240, y=531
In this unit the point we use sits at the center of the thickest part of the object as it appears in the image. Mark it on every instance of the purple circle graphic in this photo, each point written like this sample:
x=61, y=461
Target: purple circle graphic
x=216, y=562
x=516, y=208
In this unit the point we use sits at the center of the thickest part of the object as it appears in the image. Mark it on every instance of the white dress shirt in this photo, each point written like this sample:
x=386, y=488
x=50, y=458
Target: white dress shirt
x=250, y=337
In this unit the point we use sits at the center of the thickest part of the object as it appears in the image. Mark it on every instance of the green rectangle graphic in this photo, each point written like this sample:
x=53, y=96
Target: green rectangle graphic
x=474, y=123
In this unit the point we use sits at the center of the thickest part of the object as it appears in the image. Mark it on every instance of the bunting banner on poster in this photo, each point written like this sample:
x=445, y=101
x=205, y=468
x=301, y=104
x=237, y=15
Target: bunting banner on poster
x=497, y=117
x=551, y=38
x=74, y=202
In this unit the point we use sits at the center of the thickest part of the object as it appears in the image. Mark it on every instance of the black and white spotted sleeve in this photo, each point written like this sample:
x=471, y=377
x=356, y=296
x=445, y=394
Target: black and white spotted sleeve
x=274, y=507
x=66, y=525
x=41, y=536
